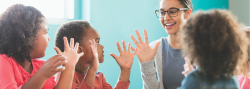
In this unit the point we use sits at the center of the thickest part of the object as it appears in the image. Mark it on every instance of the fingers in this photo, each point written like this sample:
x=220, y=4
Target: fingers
x=114, y=56
x=58, y=51
x=76, y=46
x=189, y=65
x=60, y=69
x=72, y=43
x=136, y=43
x=81, y=54
x=118, y=46
x=66, y=44
x=129, y=47
x=61, y=62
x=123, y=45
x=57, y=58
x=139, y=37
x=156, y=46
x=145, y=36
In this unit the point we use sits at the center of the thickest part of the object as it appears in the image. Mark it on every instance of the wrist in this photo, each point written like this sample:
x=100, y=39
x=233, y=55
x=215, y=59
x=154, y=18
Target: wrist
x=91, y=68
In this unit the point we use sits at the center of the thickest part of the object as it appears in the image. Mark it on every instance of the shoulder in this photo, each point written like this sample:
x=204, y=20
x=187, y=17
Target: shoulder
x=191, y=81
x=4, y=59
x=38, y=62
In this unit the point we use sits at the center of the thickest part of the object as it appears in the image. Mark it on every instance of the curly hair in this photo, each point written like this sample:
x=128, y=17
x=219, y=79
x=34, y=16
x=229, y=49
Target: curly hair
x=72, y=29
x=212, y=40
x=19, y=25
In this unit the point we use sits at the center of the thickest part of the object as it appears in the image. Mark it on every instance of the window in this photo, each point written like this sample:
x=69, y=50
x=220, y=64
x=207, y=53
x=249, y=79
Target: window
x=53, y=10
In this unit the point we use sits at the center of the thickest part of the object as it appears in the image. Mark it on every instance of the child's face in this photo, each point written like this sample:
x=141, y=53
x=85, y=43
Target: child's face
x=176, y=21
x=41, y=42
x=87, y=57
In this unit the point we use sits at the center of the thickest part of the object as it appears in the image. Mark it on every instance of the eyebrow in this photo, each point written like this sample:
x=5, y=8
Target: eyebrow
x=97, y=39
x=169, y=8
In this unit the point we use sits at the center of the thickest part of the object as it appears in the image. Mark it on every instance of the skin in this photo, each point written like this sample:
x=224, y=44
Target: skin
x=144, y=52
x=173, y=38
x=95, y=49
x=68, y=59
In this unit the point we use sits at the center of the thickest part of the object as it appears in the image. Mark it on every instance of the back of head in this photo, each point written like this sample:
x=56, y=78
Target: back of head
x=19, y=25
x=73, y=29
x=213, y=41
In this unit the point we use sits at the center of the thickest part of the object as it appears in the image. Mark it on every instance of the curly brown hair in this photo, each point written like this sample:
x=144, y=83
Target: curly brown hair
x=19, y=25
x=213, y=41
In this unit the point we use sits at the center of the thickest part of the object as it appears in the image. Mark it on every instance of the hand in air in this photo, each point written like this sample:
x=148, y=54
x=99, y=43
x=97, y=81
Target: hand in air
x=187, y=67
x=95, y=61
x=125, y=60
x=70, y=51
x=143, y=51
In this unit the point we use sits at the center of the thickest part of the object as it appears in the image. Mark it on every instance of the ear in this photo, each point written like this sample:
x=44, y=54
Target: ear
x=188, y=13
x=79, y=49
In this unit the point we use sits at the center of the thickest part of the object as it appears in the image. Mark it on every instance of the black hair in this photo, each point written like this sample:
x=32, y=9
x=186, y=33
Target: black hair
x=19, y=26
x=73, y=29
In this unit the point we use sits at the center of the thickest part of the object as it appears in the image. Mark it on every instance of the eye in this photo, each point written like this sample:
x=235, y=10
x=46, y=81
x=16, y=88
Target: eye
x=172, y=12
x=162, y=12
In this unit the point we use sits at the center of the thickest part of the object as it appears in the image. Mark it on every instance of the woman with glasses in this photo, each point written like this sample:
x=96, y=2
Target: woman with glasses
x=162, y=66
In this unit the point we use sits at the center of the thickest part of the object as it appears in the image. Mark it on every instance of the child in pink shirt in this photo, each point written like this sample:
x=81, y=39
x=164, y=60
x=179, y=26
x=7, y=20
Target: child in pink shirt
x=23, y=39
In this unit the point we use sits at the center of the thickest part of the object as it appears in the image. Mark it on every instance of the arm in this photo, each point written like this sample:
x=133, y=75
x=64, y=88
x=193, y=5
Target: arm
x=89, y=79
x=146, y=55
x=66, y=77
x=125, y=61
x=37, y=81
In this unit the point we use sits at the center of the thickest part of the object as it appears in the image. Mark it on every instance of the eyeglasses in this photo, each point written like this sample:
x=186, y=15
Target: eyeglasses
x=173, y=12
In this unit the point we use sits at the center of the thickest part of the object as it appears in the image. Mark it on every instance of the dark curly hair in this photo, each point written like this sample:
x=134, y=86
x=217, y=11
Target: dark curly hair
x=19, y=25
x=212, y=40
x=73, y=29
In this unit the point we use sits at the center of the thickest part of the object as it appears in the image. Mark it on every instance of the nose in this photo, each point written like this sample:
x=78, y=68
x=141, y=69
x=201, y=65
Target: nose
x=48, y=38
x=102, y=46
x=166, y=17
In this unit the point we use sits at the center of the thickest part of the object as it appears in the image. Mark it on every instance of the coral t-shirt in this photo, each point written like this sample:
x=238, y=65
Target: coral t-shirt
x=247, y=81
x=100, y=82
x=13, y=76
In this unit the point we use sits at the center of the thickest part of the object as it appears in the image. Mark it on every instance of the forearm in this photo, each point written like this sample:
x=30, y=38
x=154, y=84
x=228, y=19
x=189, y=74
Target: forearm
x=125, y=75
x=35, y=82
x=90, y=77
x=149, y=75
x=66, y=78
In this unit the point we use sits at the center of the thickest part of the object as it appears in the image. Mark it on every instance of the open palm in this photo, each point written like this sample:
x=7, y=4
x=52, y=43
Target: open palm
x=143, y=51
x=125, y=60
x=70, y=52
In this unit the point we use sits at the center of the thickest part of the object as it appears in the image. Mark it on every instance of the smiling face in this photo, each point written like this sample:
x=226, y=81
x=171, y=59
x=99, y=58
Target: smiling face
x=173, y=24
x=41, y=42
x=85, y=48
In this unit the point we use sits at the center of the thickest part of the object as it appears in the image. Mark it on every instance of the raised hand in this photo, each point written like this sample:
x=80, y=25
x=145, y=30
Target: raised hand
x=70, y=52
x=125, y=60
x=143, y=50
x=187, y=67
x=95, y=61
x=50, y=67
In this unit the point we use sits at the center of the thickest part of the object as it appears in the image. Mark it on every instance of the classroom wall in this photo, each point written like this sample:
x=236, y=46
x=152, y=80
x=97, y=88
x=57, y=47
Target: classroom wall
x=116, y=20
x=241, y=9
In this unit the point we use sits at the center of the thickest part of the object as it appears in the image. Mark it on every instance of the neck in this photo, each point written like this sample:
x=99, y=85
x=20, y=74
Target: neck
x=174, y=40
x=82, y=68
x=27, y=66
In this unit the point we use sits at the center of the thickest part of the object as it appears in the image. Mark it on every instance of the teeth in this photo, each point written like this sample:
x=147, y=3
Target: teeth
x=169, y=24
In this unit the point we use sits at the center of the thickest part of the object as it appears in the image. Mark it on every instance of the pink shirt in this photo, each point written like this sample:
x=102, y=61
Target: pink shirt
x=247, y=82
x=13, y=76
x=100, y=82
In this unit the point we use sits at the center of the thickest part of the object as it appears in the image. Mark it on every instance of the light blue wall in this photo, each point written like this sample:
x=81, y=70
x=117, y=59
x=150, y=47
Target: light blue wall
x=116, y=20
